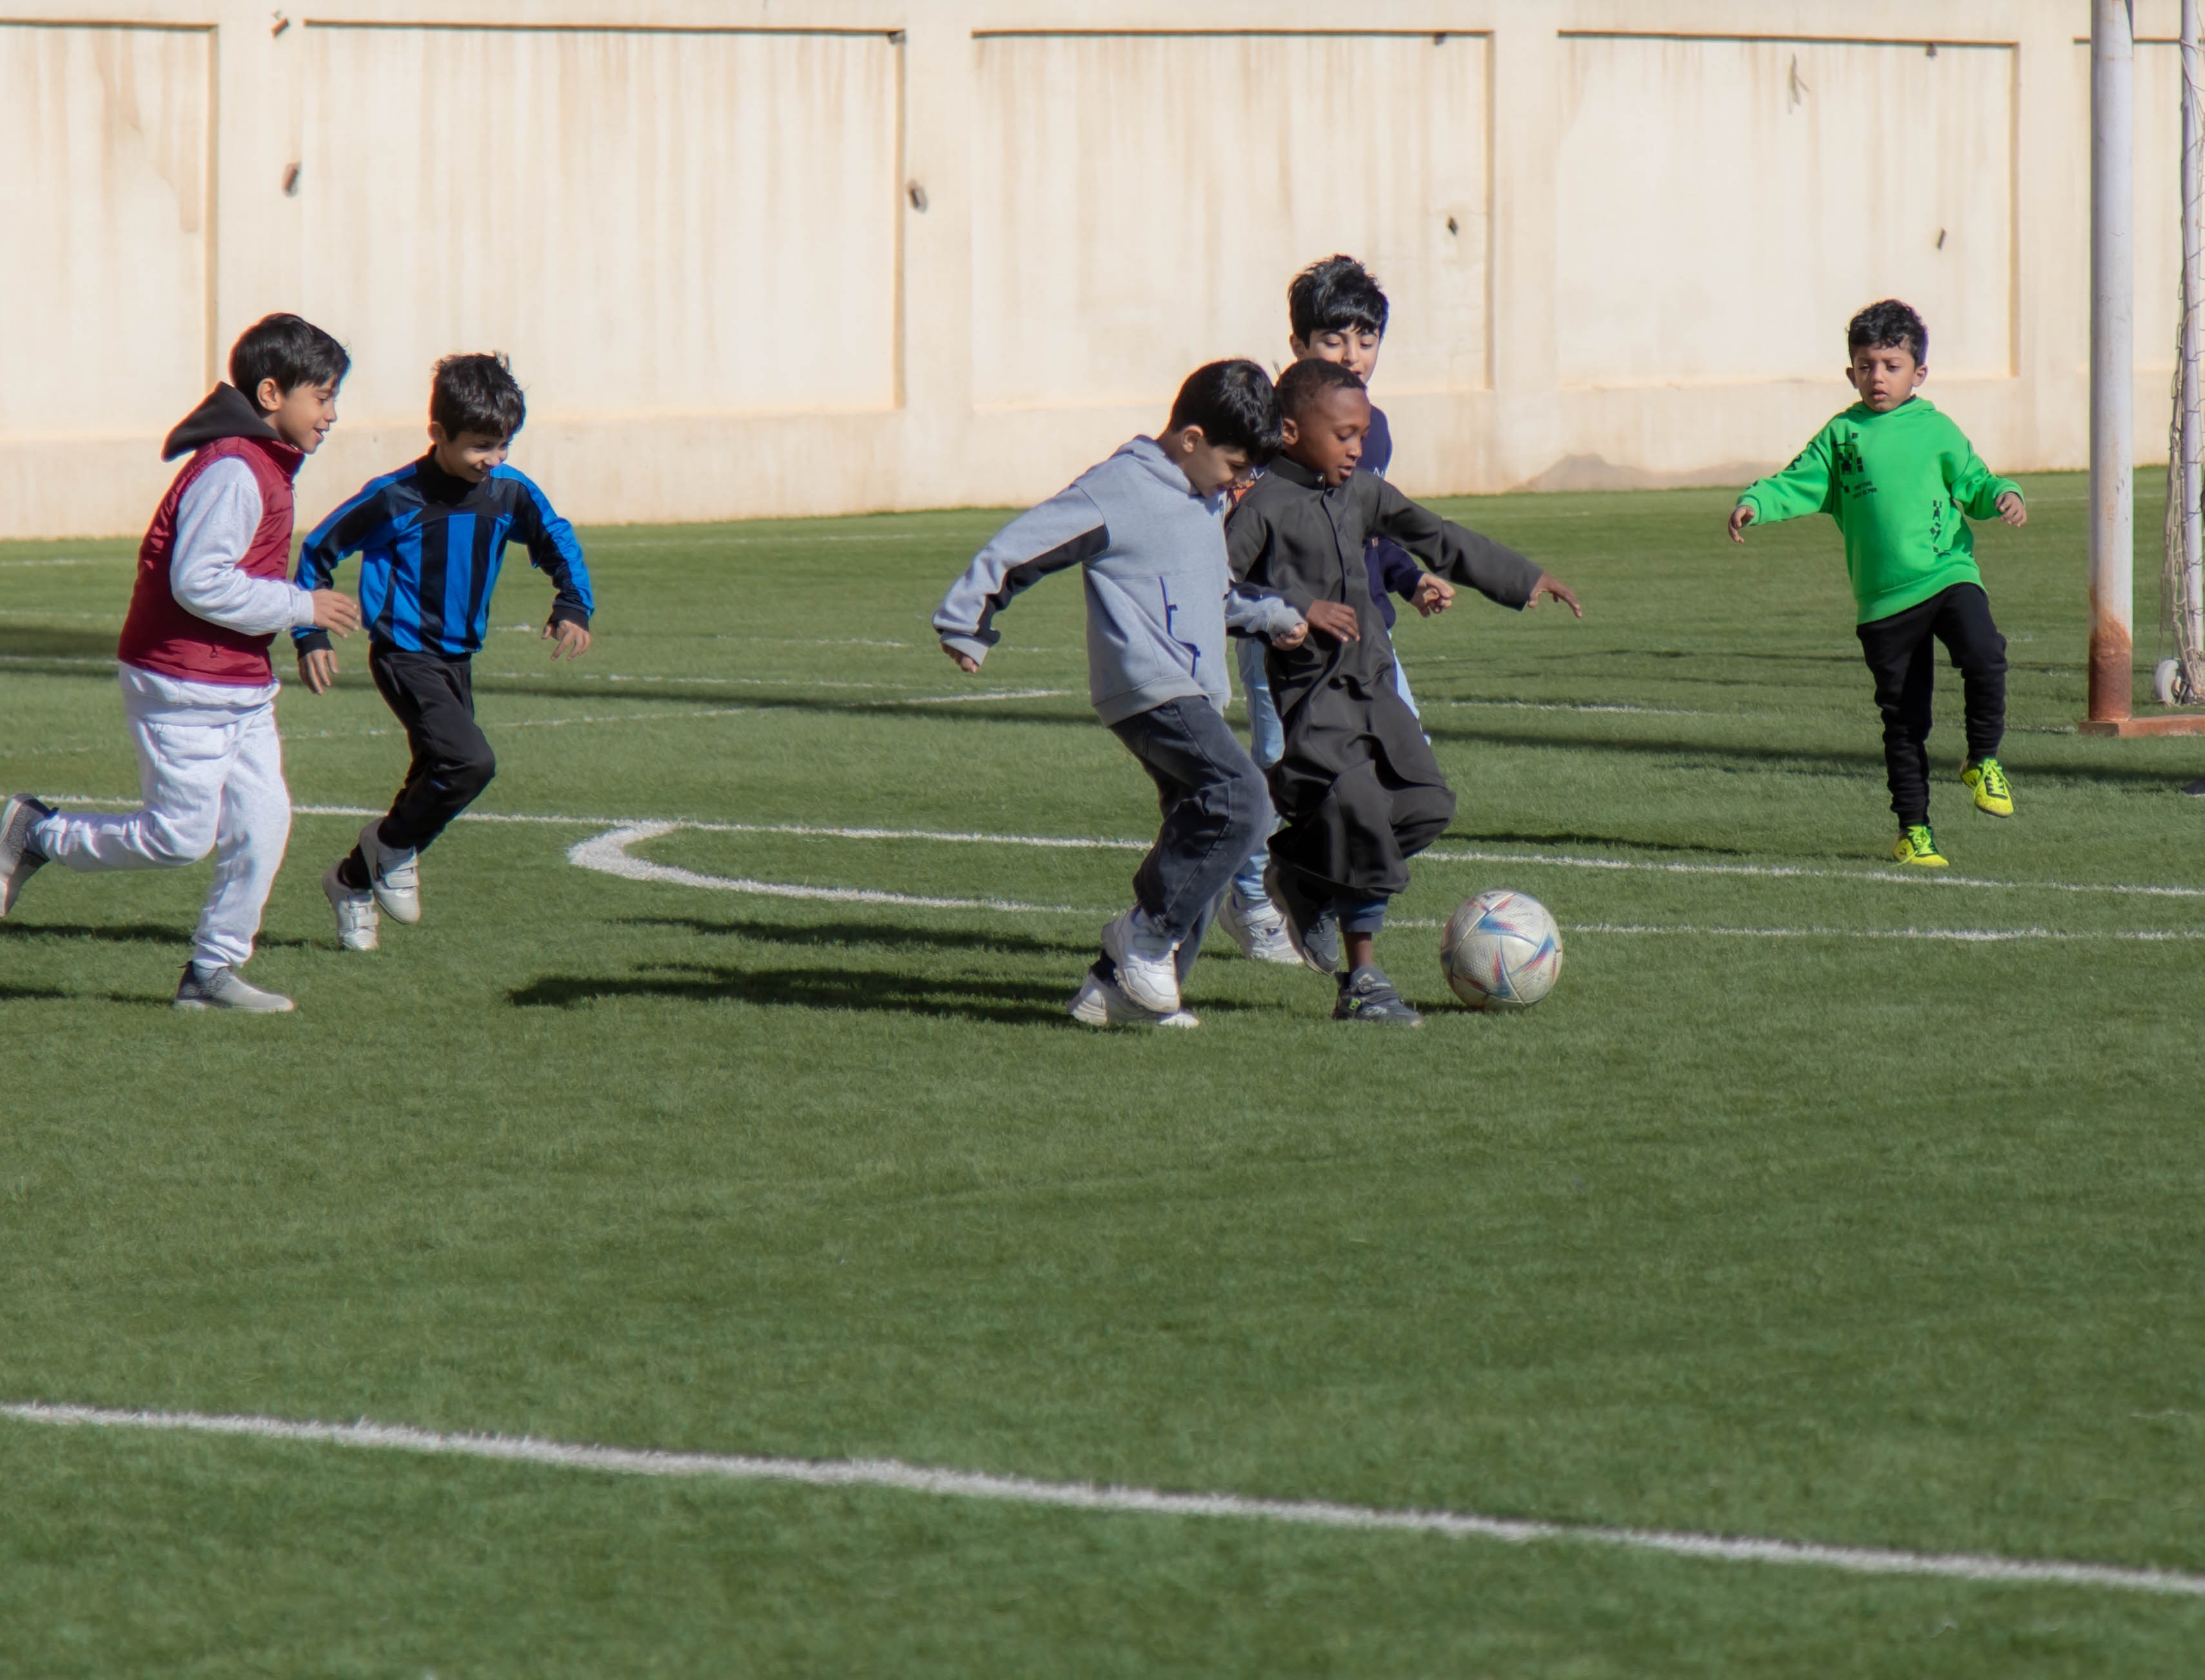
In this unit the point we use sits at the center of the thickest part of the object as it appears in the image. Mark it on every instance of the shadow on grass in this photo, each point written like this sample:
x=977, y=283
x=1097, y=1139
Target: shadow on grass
x=30, y=994
x=1867, y=760
x=1074, y=712
x=809, y=989
x=19, y=643
x=1580, y=837
x=894, y=937
x=126, y=933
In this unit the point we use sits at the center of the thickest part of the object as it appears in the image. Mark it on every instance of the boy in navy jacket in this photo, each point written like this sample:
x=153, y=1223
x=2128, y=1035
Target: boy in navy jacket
x=1335, y=312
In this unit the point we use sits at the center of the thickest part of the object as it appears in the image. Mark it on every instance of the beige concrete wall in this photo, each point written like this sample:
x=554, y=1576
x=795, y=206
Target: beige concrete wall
x=765, y=257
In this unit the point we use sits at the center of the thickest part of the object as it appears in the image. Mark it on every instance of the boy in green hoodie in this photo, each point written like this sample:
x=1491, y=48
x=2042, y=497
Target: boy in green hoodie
x=1902, y=482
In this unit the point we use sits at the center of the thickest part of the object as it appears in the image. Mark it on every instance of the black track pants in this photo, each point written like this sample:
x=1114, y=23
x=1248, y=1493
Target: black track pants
x=1902, y=658
x=433, y=697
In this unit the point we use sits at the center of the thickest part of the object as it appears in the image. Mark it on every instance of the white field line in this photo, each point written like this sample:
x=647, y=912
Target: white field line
x=816, y=641
x=1962, y=935
x=615, y=544
x=1796, y=871
x=1103, y=843
x=608, y=855
x=889, y=1473
x=1614, y=706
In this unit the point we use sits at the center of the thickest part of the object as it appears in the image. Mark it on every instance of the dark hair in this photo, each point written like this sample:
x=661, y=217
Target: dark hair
x=1335, y=295
x=478, y=393
x=1307, y=383
x=291, y=351
x=1888, y=325
x=1233, y=404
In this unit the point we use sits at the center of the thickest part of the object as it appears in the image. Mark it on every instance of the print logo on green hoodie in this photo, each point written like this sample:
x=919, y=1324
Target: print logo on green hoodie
x=1850, y=468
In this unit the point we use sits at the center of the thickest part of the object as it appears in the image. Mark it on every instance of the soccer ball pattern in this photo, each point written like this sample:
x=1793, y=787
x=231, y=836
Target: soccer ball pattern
x=1501, y=950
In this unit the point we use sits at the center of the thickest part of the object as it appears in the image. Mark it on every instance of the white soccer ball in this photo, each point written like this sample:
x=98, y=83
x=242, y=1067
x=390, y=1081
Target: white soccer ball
x=1501, y=950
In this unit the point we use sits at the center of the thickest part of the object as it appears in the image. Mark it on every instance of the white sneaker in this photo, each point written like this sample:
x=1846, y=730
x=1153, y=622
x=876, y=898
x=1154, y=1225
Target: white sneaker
x=355, y=909
x=221, y=988
x=395, y=877
x=1148, y=970
x=1100, y=1004
x=20, y=857
x=1258, y=928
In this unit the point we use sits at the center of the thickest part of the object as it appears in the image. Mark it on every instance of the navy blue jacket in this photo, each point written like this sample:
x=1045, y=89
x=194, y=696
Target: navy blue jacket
x=430, y=545
x=1388, y=563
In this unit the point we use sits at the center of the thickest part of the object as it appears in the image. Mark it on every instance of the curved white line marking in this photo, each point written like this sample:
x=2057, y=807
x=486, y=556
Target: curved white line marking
x=1453, y=855
x=608, y=855
x=1086, y=1496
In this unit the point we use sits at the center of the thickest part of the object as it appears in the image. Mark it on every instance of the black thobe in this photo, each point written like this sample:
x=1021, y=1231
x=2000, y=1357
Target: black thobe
x=1357, y=789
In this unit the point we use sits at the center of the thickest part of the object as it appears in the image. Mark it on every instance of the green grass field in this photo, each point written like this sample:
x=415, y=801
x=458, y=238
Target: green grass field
x=1778, y=1218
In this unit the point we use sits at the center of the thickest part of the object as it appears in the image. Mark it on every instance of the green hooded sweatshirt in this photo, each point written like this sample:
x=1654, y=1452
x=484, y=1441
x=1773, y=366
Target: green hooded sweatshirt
x=1898, y=485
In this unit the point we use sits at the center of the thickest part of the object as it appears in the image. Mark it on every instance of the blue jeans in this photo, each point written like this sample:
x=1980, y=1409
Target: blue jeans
x=1214, y=805
x=1360, y=916
x=1267, y=744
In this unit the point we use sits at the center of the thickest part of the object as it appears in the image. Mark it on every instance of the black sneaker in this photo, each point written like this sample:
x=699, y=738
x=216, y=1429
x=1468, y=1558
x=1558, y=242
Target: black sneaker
x=1367, y=994
x=1312, y=930
x=20, y=857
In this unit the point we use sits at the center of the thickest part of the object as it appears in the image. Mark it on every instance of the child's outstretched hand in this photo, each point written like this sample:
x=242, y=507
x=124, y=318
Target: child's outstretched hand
x=1336, y=619
x=1740, y=517
x=1549, y=583
x=2011, y=508
x=1434, y=594
x=566, y=637
x=963, y=662
x=317, y=669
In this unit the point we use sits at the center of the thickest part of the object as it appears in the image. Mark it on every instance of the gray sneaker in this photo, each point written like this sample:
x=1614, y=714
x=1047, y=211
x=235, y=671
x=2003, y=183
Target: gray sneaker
x=221, y=988
x=1368, y=995
x=1312, y=929
x=1257, y=927
x=20, y=857
x=394, y=876
x=355, y=912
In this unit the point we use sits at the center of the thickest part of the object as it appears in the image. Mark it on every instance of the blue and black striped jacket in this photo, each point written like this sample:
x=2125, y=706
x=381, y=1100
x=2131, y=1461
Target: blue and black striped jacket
x=430, y=545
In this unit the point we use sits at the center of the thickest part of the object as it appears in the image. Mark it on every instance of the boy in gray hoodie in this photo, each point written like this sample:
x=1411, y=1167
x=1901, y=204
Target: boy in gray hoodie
x=1147, y=528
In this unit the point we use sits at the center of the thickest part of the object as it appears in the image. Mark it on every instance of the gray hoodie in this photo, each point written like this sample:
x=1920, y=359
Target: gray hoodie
x=1160, y=597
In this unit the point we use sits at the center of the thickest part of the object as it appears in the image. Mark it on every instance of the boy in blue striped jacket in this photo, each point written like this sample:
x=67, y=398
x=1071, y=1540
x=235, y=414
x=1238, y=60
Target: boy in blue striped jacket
x=430, y=537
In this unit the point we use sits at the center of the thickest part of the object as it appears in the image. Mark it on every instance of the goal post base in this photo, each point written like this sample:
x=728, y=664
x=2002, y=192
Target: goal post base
x=2173, y=724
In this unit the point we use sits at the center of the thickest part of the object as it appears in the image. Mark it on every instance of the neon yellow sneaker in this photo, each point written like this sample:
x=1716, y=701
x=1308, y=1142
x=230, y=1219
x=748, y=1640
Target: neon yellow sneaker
x=1986, y=780
x=1916, y=844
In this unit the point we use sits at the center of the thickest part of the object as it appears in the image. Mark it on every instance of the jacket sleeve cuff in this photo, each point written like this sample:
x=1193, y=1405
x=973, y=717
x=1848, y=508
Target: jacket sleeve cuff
x=310, y=641
x=971, y=646
x=565, y=612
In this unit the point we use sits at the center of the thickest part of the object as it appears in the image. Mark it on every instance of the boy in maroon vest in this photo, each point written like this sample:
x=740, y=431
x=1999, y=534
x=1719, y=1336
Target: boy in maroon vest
x=199, y=692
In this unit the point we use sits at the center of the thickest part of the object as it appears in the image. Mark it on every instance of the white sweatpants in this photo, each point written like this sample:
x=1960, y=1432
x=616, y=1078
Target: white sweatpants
x=212, y=775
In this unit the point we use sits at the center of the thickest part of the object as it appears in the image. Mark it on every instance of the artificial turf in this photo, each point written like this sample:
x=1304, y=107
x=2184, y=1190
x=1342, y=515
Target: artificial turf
x=1759, y=1225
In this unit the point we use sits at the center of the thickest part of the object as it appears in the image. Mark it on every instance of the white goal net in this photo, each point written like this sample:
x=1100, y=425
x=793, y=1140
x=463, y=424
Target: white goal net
x=2179, y=678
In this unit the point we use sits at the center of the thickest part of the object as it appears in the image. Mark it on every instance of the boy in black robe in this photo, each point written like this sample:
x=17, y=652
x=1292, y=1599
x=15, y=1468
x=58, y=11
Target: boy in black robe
x=1357, y=789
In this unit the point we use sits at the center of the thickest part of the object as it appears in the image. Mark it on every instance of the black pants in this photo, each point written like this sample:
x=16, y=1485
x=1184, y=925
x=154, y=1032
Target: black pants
x=1215, y=808
x=1903, y=660
x=433, y=696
